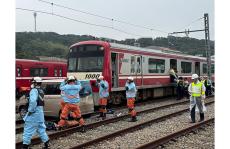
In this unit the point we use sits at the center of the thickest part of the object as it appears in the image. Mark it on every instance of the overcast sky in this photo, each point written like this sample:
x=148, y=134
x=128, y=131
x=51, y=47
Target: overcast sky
x=164, y=15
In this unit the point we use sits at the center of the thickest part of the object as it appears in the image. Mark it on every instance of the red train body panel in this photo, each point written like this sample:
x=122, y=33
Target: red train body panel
x=149, y=67
x=27, y=69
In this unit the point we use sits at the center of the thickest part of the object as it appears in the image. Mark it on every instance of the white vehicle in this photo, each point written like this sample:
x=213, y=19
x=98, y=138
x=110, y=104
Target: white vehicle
x=53, y=98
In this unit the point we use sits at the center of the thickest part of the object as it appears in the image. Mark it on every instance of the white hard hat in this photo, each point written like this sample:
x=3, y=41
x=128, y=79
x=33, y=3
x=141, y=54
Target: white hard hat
x=100, y=77
x=71, y=78
x=130, y=78
x=37, y=79
x=195, y=76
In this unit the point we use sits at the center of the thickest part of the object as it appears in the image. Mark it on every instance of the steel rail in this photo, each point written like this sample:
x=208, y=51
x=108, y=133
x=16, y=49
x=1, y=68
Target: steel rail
x=19, y=130
x=174, y=135
x=130, y=129
x=74, y=129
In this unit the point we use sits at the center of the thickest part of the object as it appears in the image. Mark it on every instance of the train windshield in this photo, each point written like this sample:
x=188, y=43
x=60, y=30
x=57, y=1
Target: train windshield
x=86, y=58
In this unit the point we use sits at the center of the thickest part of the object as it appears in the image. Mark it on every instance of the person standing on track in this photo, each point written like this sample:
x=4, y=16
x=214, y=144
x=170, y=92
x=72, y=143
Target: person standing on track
x=131, y=90
x=70, y=89
x=197, y=91
x=34, y=119
x=103, y=95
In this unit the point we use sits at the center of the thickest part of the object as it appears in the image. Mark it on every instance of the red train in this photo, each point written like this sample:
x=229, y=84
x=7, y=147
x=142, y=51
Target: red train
x=149, y=67
x=27, y=69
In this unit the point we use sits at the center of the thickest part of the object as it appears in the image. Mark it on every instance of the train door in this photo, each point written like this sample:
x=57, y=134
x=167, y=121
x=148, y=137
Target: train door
x=173, y=64
x=58, y=72
x=114, y=63
x=197, y=68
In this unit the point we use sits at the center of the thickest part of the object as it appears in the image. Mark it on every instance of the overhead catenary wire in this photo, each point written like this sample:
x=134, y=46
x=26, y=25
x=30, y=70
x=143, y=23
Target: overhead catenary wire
x=103, y=17
x=196, y=20
x=72, y=19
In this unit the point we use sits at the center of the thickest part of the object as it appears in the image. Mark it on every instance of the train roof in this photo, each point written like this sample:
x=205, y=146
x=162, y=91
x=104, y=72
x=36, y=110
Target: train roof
x=133, y=48
x=139, y=49
x=29, y=60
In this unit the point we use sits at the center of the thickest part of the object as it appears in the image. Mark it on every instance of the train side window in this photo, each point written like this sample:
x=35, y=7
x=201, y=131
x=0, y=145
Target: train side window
x=204, y=68
x=156, y=65
x=19, y=72
x=138, y=65
x=132, y=64
x=60, y=72
x=186, y=67
x=41, y=72
x=55, y=73
x=212, y=68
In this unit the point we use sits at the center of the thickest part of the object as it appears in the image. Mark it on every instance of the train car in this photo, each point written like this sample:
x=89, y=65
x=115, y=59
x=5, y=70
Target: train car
x=27, y=69
x=149, y=67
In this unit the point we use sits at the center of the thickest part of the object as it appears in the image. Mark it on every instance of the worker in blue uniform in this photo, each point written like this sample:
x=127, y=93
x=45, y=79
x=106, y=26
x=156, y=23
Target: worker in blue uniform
x=70, y=89
x=103, y=95
x=131, y=90
x=34, y=119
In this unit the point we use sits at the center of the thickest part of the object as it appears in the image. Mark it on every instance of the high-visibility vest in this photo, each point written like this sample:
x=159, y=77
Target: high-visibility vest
x=203, y=81
x=197, y=89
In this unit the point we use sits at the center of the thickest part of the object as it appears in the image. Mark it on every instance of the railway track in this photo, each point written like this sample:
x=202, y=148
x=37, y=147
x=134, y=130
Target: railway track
x=134, y=128
x=161, y=100
x=96, y=124
x=174, y=135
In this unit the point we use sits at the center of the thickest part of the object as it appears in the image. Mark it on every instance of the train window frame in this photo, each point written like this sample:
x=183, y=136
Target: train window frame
x=138, y=64
x=184, y=67
x=42, y=72
x=60, y=72
x=55, y=72
x=205, y=68
x=19, y=72
x=157, y=63
x=132, y=65
x=212, y=68
x=74, y=66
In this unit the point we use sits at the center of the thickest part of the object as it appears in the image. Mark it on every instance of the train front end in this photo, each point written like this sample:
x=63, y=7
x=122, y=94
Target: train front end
x=87, y=61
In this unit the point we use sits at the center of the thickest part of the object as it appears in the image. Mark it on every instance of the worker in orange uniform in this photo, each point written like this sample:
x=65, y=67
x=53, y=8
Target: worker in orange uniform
x=197, y=91
x=103, y=95
x=70, y=93
x=131, y=90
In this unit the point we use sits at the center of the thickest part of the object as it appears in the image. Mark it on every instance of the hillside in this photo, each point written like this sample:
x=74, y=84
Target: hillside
x=30, y=44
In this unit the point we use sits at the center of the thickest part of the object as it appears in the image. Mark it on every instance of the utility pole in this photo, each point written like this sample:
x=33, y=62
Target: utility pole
x=35, y=15
x=207, y=43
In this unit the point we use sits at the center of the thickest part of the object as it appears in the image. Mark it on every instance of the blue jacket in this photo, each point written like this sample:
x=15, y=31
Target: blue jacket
x=70, y=93
x=103, y=89
x=37, y=113
x=131, y=92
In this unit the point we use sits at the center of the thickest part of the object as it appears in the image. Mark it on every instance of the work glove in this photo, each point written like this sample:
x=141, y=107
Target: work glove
x=103, y=85
x=126, y=88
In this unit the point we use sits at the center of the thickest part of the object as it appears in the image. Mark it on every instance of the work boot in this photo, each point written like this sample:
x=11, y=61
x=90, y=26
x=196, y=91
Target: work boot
x=103, y=116
x=83, y=130
x=133, y=119
x=25, y=146
x=46, y=145
x=193, y=115
x=201, y=117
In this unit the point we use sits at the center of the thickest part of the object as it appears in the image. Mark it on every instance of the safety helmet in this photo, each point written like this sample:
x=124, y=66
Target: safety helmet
x=36, y=79
x=100, y=77
x=195, y=76
x=70, y=78
x=130, y=78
